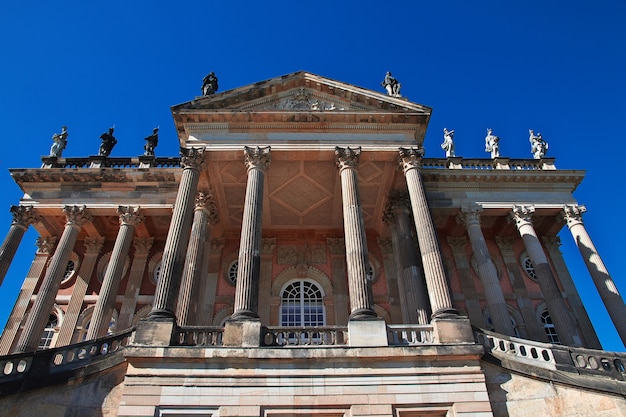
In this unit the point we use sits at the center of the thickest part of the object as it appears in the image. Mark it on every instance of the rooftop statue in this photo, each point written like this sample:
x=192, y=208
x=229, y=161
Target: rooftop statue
x=492, y=144
x=391, y=85
x=538, y=146
x=108, y=142
x=151, y=142
x=60, y=142
x=448, y=143
x=209, y=84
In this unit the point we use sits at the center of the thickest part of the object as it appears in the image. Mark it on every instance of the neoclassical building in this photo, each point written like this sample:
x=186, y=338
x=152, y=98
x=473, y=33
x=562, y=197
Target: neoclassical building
x=302, y=257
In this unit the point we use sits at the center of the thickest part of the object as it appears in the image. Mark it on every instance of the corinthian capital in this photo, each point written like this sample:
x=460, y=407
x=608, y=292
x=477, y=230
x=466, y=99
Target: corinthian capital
x=192, y=158
x=410, y=158
x=24, y=216
x=347, y=157
x=469, y=215
x=130, y=215
x=76, y=215
x=143, y=245
x=93, y=244
x=205, y=201
x=573, y=214
x=46, y=244
x=521, y=215
x=259, y=158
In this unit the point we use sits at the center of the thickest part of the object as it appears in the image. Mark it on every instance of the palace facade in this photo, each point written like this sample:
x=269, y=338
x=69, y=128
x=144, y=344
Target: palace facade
x=303, y=258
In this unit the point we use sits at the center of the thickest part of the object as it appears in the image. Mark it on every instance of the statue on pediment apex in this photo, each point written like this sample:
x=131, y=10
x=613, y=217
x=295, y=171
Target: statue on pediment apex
x=209, y=84
x=391, y=85
x=492, y=144
x=60, y=142
x=448, y=143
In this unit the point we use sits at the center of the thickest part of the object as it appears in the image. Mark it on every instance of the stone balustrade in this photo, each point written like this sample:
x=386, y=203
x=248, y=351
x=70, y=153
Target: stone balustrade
x=411, y=335
x=116, y=162
x=200, y=336
x=536, y=353
x=305, y=336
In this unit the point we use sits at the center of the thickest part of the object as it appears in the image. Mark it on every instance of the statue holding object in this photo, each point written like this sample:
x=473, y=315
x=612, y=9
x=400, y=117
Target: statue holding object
x=108, y=142
x=391, y=85
x=538, y=146
x=209, y=84
x=60, y=142
x=492, y=144
x=151, y=142
x=448, y=142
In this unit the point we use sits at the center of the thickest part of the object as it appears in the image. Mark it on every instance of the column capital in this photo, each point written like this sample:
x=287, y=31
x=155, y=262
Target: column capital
x=93, y=244
x=521, y=215
x=552, y=242
x=347, y=157
x=130, y=215
x=398, y=201
x=24, y=216
x=206, y=202
x=46, y=244
x=192, y=158
x=457, y=243
x=410, y=158
x=469, y=215
x=259, y=158
x=76, y=216
x=385, y=245
x=573, y=214
x=505, y=243
x=336, y=245
x=268, y=244
x=143, y=245
x=217, y=245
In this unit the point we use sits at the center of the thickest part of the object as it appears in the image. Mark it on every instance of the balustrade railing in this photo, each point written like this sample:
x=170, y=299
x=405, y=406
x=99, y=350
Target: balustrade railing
x=537, y=353
x=305, y=336
x=411, y=335
x=200, y=336
x=108, y=162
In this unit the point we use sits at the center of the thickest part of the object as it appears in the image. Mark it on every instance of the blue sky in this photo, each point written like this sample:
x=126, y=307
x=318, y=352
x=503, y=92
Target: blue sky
x=556, y=67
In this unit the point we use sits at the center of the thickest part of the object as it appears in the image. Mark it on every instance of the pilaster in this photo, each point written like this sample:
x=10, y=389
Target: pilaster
x=472, y=302
x=142, y=247
x=337, y=250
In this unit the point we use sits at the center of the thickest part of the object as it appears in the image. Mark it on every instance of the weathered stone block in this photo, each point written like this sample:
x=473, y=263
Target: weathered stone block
x=154, y=332
x=453, y=330
x=367, y=333
x=244, y=333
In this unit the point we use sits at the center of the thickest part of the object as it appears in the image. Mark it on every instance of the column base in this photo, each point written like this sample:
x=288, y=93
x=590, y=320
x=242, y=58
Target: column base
x=448, y=313
x=453, y=330
x=150, y=332
x=160, y=314
x=362, y=333
x=243, y=333
x=363, y=314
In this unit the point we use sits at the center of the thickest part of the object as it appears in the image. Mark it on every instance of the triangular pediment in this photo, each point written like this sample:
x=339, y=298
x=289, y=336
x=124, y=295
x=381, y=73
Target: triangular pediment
x=302, y=91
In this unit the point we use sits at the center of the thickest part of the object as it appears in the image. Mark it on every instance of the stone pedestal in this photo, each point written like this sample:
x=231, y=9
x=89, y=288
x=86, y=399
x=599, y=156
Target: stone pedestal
x=242, y=333
x=453, y=330
x=371, y=333
x=155, y=332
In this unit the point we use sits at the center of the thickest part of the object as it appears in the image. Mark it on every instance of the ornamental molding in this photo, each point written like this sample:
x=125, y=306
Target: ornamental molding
x=130, y=215
x=192, y=158
x=573, y=214
x=206, y=201
x=347, y=157
x=469, y=215
x=46, y=245
x=521, y=215
x=410, y=158
x=24, y=216
x=257, y=158
x=77, y=215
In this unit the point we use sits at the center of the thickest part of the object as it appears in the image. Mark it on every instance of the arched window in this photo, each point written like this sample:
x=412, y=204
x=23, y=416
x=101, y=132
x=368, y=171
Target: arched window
x=302, y=305
x=48, y=332
x=549, y=328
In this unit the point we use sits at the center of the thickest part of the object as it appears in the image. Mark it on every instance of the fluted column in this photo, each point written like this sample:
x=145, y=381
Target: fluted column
x=23, y=216
x=557, y=308
x=337, y=249
x=361, y=299
x=410, y=276
x=204, y=218
x=458, y=244
x=599, y=273
x=45, y=247
x=99, y=324
x=137, y=268
x=470, y=217
x=93, y=245
x=438, y=291
x=173, y=261
x=40, y=313
x=257, y=161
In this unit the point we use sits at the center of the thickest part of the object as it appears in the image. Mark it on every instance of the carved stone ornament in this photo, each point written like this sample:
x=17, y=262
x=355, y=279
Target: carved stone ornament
x=469, y=215
x=93, y=244
x=336, y=245
x=258, y=157
x=385, y=245
x=130, y=215
x=303, y=100
x=143, y=245
x=46, y=244
x=24, y=215
x=457, y=243
x=347, y=157
x=410, y=158
x=521, y=215
x=206, y=201
x=573, y=214
x=552, y=243
x=77, y=215
x=217, y=245
x=192, y=158
x=505, y=244
x=301, y=255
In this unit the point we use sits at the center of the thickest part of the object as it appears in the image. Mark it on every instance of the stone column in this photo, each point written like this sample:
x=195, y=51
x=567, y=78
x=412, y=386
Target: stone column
x=99, y=324
x=470, y=217
x=137, y=268
x=361, y=299
x=552, y=245
x=39, y=314
x=208, y=286
x=23, y=216
x=45, y=247
x=438, y=291
x=173, y=261
x=268, y=245
x=337, y=249
x=204, y=218
x=599, y=273
x=93, y=246
x=563, y=322
x=247, y=288
x=466, y=279
x=396, y=298
x=410, y=276
x=530, y=328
